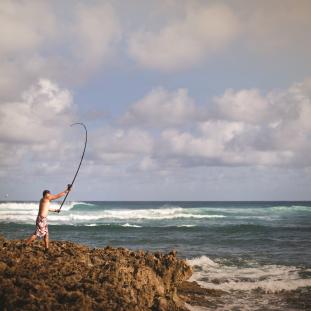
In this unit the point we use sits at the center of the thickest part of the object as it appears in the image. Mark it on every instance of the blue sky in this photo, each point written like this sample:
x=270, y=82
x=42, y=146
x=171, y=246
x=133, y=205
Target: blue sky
x=184, y=100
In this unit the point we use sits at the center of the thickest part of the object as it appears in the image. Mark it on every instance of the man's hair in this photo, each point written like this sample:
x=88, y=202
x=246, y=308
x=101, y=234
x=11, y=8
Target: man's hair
x=46, y=192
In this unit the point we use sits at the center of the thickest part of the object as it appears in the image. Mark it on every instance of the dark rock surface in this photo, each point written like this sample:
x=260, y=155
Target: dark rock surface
x=74, y=277
x=195, y=295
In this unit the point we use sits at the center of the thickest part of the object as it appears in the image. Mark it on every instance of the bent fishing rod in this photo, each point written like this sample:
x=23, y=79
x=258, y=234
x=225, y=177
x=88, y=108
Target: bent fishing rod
x=75, y=176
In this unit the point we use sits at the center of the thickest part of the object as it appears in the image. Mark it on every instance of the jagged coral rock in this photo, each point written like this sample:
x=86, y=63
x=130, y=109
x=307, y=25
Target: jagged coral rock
x=74, y=277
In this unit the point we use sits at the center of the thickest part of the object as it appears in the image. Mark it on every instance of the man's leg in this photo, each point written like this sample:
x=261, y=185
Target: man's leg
x=46, y=241
x=31, y=239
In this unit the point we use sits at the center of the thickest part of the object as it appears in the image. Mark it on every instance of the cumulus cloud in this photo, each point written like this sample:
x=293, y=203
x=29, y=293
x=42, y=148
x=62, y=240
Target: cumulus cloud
x=247, y=128
x=33, y=129
x=276, y=108
x=186, y=41
x=166, y=130
x=69, y=43
x=24, y=26
x=163, y=108
x=190, y=32
x=117, y=145
x=253, y=129
x=37, y=116
x=36, y=40
x=244, y=105
x=96, y=31
x=217, y=149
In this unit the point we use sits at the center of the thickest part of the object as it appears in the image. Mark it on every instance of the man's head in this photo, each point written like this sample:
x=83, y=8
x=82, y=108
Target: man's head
x=45, y=192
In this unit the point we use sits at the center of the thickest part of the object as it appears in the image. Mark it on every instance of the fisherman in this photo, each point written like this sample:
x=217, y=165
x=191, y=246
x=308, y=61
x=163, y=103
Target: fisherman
x=41, y=222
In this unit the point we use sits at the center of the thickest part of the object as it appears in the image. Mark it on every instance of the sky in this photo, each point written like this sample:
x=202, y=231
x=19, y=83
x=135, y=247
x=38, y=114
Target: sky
x=183, y=99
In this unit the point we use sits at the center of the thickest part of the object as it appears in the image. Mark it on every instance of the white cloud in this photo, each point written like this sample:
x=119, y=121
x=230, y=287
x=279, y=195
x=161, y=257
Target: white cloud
x=276, y=109
x=10, y=155
x=96, y=31
x=187, y=145
x=218, y=149
x=271, y=129
x=33, y=132
x=37, y=40
x=222, y=131
x=208, y=146
x=245, y=105
x=237, y=134
x=37, y=116
x=116, y=145
x=246, y=128
x=163, y=108
x=166, y=130
x=147, y=164
x=187, y=41
x=24, y=26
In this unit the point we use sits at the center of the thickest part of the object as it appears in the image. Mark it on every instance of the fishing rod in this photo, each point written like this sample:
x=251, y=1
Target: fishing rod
x=75, y=176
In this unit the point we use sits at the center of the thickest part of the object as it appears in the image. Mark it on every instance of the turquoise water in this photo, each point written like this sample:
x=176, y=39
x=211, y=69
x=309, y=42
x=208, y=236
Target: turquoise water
x=234, y=246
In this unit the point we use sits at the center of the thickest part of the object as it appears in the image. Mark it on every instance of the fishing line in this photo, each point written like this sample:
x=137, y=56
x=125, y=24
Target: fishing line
x=75, y=176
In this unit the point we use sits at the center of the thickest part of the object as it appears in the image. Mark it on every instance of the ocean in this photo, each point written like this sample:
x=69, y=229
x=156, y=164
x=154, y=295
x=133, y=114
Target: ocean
x=258, y=253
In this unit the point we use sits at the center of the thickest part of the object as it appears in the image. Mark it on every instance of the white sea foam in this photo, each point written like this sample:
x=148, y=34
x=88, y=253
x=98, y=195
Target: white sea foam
x=18, y=206
x=26, y=213
x=155, y=214
x=187, y=226
x=250, y=211
x=129, y=225
x=293, y=208
x=269, y=278
x=29, y=206
x=202, y=262
x=85, y=203
x=128, y=215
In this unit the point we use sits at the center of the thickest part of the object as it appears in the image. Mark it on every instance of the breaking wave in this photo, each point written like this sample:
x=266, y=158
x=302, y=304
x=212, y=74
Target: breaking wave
x=213, y=274
x=79, y=213
x=71, y=214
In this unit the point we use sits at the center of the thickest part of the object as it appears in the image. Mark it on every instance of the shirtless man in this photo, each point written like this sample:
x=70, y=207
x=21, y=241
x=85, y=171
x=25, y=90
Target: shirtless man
x=41, y=222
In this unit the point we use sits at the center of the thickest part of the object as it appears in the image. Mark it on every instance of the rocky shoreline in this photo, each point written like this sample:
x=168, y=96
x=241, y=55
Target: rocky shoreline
x=71, y=276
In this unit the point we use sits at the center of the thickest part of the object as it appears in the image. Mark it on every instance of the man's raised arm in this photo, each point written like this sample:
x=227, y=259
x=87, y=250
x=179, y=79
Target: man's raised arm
x=59, y=195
